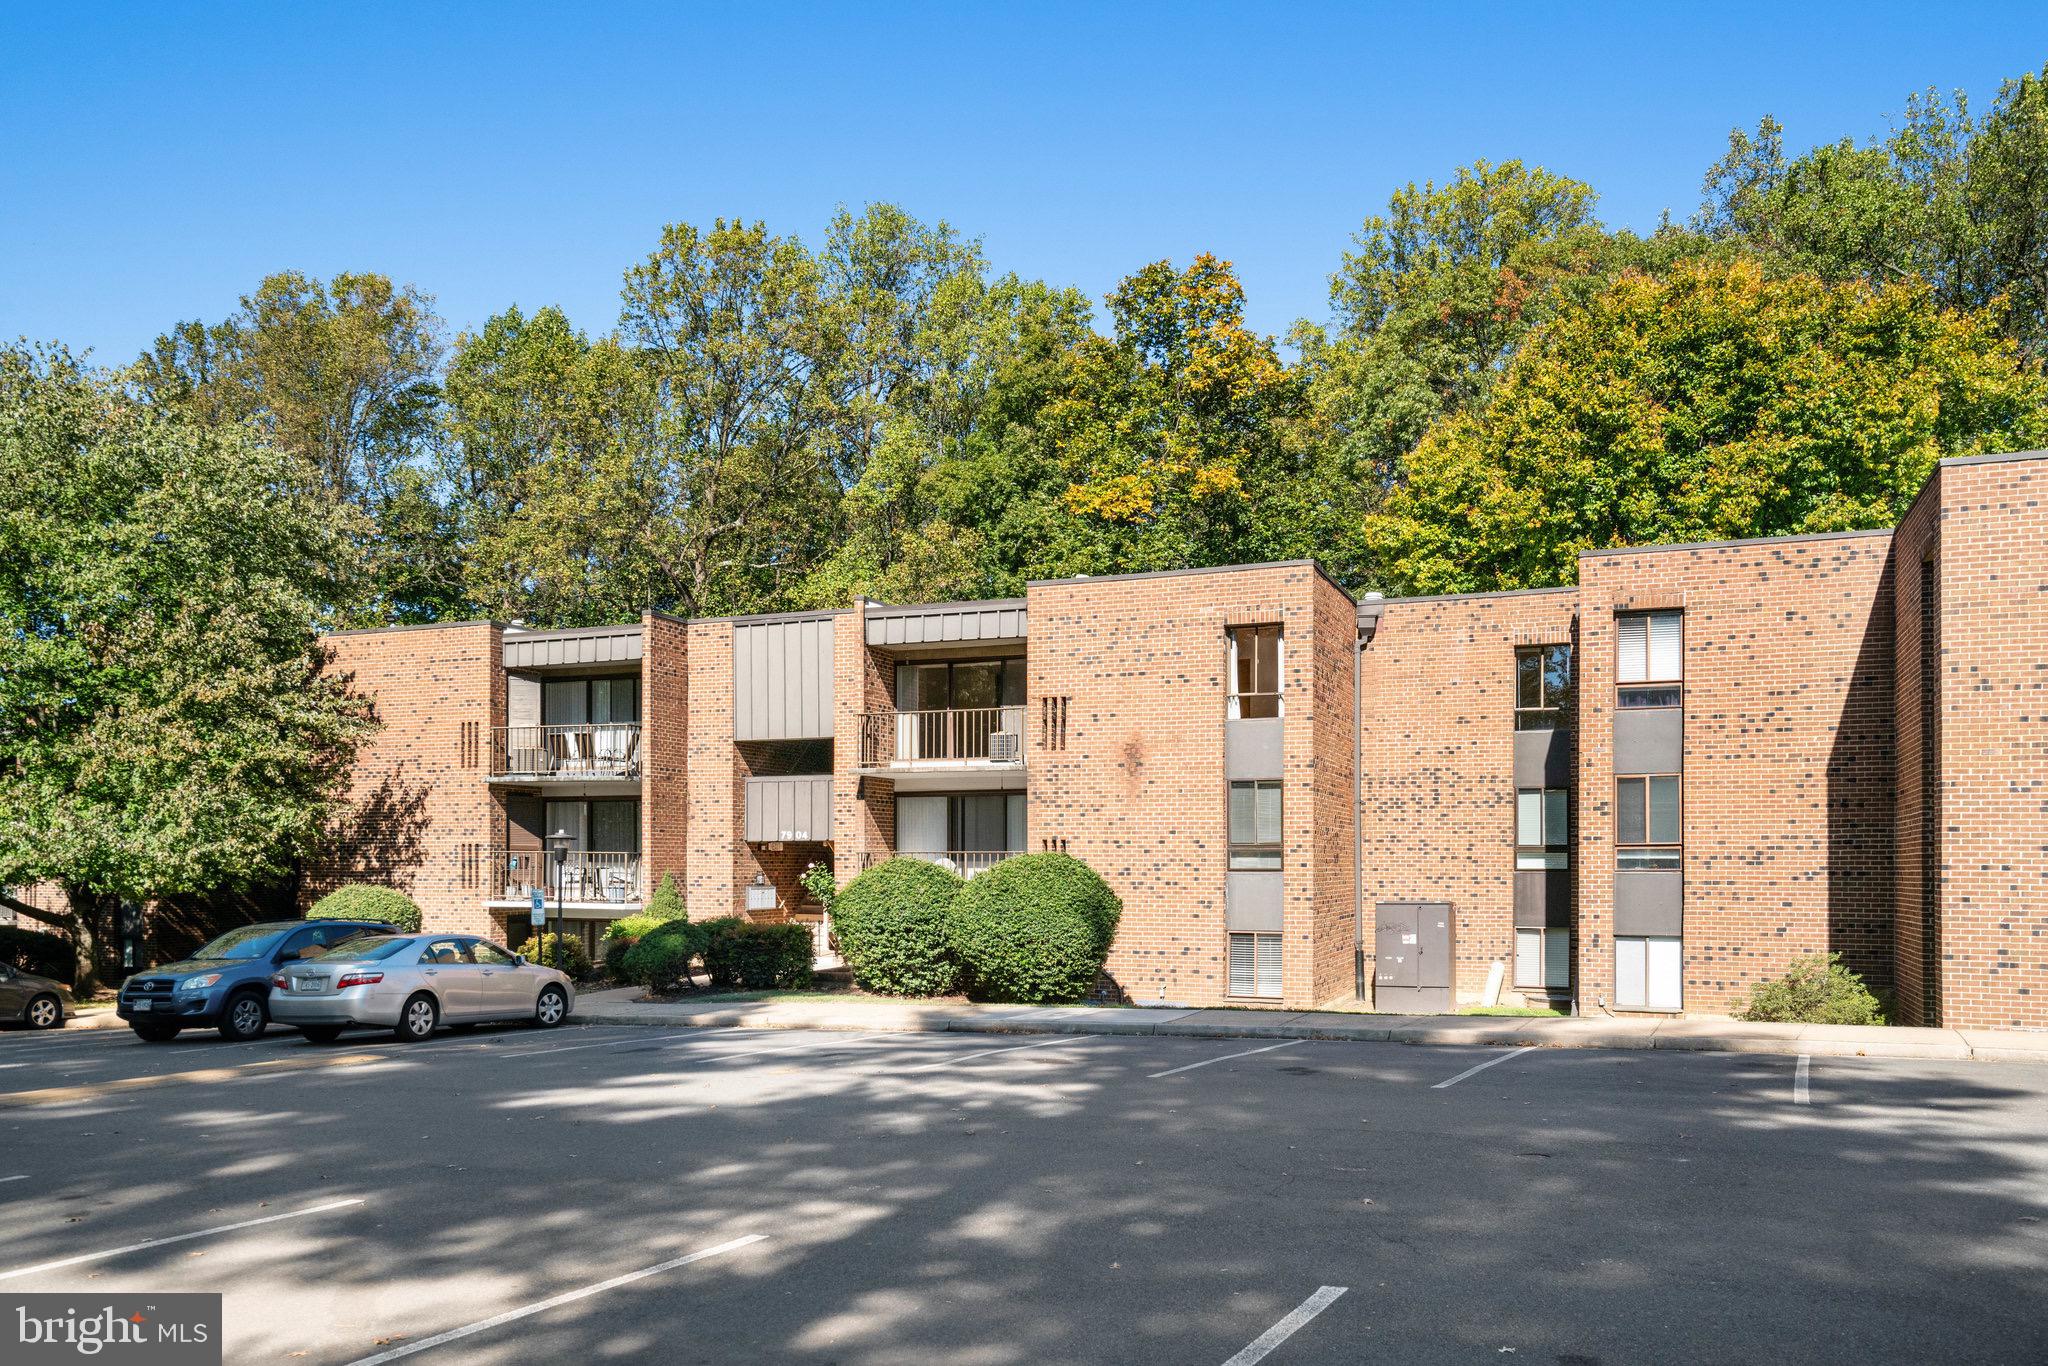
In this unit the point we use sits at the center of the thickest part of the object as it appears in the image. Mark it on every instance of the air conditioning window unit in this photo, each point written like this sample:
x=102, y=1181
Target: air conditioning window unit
x=1005, y=747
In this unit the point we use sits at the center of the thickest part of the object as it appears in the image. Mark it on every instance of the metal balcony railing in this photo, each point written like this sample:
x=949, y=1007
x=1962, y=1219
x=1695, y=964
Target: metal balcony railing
x=586, y=876
x=964, y=862
x=963, y=735
x=607, y=749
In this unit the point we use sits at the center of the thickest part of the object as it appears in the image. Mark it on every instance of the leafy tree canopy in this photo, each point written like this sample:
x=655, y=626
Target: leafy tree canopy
x=1714, y=402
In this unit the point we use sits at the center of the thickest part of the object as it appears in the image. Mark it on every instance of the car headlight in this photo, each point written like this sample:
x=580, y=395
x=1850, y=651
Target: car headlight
x=199, y=983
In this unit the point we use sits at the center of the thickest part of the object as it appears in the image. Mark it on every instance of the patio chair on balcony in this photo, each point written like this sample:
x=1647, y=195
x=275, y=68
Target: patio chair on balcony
x=616, y=748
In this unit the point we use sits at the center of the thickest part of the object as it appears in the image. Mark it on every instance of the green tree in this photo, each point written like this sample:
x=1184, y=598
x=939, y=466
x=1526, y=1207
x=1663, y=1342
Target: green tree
x=731, y=328
x=343, y=376
x=1441, y=290
x=1716, y=402
x=1960, y=202
x=550, y=462
x=164, y=723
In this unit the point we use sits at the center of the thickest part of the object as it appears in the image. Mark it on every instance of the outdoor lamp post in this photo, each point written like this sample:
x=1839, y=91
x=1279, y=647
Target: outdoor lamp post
x=558, y=845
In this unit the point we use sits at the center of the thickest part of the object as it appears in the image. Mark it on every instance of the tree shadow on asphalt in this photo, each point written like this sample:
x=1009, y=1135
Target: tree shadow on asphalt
x=1052, y=1205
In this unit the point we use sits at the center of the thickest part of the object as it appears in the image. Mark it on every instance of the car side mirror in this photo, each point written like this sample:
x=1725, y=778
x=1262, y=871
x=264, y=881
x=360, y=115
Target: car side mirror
x=287, y=955
x=518, y=960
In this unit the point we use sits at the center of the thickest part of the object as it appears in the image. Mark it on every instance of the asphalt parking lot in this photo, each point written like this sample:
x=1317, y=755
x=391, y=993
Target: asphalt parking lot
x=624, y=1194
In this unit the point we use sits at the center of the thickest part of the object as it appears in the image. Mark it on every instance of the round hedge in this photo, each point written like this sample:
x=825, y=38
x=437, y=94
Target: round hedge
x=660, y=960
x=1034, y=928
x=894, y=930
x=563, y=952
x=362, y=901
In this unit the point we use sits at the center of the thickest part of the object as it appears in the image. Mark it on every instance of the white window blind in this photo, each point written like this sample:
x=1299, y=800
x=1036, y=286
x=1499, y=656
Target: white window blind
x=1543, y=959
x=1665, y=662
x=1630, y=961
x=1255, y=965
x=1631, y=649
x=1648, y=973
x=1665, y=990
x=1529, y=817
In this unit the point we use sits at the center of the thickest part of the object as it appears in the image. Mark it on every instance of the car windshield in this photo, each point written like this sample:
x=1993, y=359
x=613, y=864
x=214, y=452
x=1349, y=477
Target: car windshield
x=250, y=941
x=354, y=946
x=369, y=950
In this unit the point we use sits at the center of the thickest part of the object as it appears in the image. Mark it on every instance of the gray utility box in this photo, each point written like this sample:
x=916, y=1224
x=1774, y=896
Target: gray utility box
x=1413, y=966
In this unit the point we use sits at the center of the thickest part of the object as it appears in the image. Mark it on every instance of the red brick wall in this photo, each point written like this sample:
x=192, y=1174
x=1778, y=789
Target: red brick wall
x=1993, y=743
x=1916, y=769
x=716, y=783
x=1437, y=690
x=1786, y=814
x=863, y=810
x=1139, y=791
x=664, y=748
x=418, y=814
x=1333, y=695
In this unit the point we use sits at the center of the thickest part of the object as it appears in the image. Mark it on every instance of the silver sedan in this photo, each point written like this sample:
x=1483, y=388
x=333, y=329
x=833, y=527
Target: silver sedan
x=412, y=984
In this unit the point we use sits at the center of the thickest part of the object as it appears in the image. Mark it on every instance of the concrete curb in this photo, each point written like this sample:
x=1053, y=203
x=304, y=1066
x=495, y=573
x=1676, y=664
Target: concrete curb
x=1679, y=1036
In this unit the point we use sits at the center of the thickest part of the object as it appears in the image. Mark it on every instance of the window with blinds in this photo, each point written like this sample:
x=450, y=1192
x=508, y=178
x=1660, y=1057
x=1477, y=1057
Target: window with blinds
x=1543, y=960
x=1648, y=833
x=1255, y=840
x=1648, y=973
x=1649, y=659
x=1542, y=828
x=1255, y=965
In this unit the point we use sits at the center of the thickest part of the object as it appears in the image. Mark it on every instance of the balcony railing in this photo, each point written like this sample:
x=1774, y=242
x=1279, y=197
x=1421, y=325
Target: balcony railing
x=609, y=749
x=964, y=862
x=956, y=735
x=587, y=876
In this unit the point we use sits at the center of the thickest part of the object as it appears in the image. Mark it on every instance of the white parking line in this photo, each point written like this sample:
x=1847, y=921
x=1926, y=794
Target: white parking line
x=1289, y=1326
x=513, y=1315
x=5, y=1179
x=174, y=1238
x=1490, y=1062
x=991, y=1052
x=1800, y=1094
x=1225, y=1058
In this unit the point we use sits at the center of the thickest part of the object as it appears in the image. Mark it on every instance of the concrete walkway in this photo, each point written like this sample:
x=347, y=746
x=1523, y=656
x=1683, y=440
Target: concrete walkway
x=620, y=1006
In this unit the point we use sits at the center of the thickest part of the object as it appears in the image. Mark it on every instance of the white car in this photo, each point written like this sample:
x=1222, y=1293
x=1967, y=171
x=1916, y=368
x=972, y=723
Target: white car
x=414, y=983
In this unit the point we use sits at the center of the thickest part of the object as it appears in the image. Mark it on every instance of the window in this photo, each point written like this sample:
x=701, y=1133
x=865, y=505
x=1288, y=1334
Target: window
x=590, y=701
x=1255, y=965
x=1543, y=687
x=1647, y=973
x=1255, y=654
x=1543, y=959
x=1647, y=833
x=490, y=955
x=1542, y=828
x=1649, y=662
x=1255, y=825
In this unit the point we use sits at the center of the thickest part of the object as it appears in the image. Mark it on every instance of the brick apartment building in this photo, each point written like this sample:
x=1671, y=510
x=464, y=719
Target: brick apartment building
x=1643, y=793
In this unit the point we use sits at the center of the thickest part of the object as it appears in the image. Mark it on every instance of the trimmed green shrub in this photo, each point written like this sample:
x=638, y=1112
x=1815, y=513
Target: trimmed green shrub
x=622, y=934
x=45, y=955
x=710, y=931
x=756, y=957
x=362, y=901
x=894, y=926
x=1816, y=989
x=1034, y=928
x=662, y=957
x=563, y=952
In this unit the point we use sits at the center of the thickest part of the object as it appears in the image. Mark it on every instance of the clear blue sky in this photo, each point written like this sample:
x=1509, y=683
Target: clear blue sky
x=159, y=159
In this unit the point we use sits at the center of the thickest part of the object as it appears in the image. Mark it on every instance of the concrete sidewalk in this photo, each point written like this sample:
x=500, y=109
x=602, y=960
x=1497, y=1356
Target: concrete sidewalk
x=619, y=1006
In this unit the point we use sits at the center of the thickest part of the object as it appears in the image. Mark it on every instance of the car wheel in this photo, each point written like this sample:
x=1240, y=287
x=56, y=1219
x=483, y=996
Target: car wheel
x=321, y=1033
x=244, y=1018
x=552, y=1008
x=155, y=1033
x=44, y=1012
x=416, y=1022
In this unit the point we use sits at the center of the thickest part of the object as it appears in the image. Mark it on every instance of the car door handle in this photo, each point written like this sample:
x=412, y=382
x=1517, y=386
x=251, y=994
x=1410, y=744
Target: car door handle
x=487, y=972
x=432, y=972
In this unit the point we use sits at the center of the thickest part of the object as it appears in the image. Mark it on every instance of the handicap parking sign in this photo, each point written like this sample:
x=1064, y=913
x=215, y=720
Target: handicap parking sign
x=540, y=907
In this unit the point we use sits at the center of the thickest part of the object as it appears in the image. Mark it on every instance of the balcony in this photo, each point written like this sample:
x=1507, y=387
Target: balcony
x=610, y=750
x=964, y=862
x=612, y=884
x=957, y=738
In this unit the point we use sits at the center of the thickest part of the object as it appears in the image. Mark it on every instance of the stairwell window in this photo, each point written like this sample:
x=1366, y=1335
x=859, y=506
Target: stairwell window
x=1542, y=828
x=1255, y=839
x=1543, y=960
x=1543, y=686
x=1649, y=659
x=1256, y=653
x=1647, y=829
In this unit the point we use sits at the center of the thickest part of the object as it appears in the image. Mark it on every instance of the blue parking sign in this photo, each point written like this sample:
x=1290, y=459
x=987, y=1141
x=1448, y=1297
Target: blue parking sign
x=540, y=907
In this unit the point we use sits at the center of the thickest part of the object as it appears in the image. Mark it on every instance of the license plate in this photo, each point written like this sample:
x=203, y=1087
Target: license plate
x=145, y=1005
x=305, y=983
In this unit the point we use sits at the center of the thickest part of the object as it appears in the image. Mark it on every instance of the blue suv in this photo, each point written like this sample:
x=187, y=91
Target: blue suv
x=226, y=985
